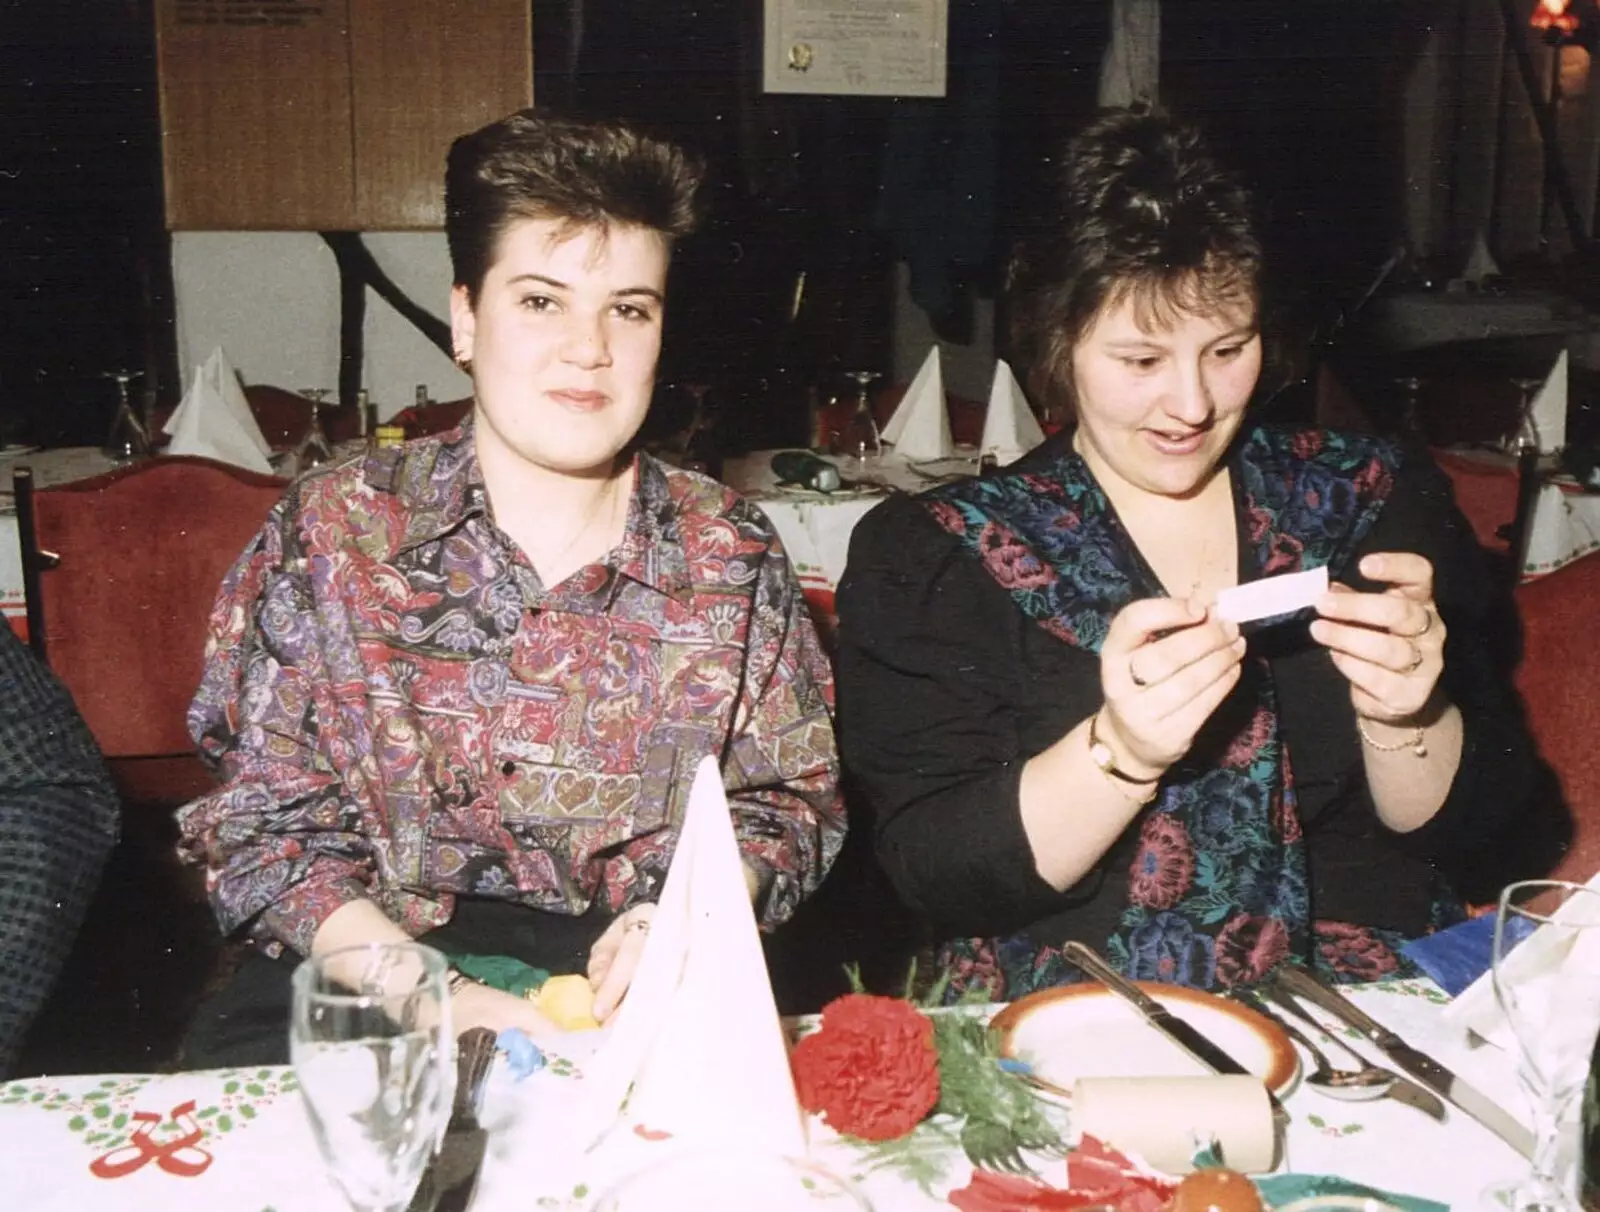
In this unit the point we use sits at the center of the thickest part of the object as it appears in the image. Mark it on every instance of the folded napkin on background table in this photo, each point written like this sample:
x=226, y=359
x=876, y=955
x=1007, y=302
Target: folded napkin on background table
x=1010, y=430
x=214, y=419
x=920, y=427
x=1548, y=412
x=696, y=1050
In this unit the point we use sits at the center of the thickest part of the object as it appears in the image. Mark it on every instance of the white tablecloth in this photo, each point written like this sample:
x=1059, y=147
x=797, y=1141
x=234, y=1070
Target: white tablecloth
x=249, y=1146
x=815, y=526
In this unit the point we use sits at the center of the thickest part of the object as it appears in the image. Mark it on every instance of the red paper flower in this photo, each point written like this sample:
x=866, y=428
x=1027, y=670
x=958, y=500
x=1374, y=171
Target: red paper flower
x=1097, y=1177
x=871, y=1070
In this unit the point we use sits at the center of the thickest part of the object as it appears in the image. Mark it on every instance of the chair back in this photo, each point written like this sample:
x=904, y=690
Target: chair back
x=121, y=572
x=1559, y=676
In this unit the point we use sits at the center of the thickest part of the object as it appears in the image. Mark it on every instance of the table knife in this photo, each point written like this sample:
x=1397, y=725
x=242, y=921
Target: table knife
x=452, y=1175
x=1273, y=1003
x=1185, y=1034
x=1414, y=1061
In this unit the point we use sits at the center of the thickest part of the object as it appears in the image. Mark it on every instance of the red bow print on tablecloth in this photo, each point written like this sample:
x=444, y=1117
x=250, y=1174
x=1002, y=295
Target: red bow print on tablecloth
x=180, y=1155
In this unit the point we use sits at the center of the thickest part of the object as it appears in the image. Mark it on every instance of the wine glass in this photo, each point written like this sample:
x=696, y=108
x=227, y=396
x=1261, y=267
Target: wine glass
x=372, y=1048
x=860, y=439
x=1549, y=992
x=314, y=449
x=128, y=437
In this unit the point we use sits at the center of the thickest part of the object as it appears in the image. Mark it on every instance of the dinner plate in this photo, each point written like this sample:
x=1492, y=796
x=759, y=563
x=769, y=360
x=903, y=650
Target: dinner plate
x=1075, y=1031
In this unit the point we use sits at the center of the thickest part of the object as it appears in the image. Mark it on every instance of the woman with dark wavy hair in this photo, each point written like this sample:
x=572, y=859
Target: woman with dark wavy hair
x=1058, y=735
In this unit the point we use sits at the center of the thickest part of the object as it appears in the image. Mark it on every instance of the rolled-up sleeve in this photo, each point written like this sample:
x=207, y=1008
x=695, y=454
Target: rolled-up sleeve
x=282, y=840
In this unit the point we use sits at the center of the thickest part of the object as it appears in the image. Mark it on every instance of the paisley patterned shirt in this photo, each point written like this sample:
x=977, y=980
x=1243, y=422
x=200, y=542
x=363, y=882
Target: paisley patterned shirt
x=400, y=710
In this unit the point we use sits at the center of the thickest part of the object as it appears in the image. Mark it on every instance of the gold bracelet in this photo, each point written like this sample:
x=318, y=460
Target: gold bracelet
x=1414, y=742
x=1100, y=754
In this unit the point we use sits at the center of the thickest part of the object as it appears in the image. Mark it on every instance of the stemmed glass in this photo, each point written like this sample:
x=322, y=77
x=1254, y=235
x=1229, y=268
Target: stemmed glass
x=1549, y=992
x=861, y=439
x=371, y=1043
x=314, y=449
x=128, y=438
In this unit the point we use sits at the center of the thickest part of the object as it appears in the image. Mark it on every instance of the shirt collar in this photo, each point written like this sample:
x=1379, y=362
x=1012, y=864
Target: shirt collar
x=652, y=545
x=437, y=481
x=440, y=486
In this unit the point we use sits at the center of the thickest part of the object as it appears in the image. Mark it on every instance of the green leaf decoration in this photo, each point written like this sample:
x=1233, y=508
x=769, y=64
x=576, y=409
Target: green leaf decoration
x=101, y=1111
x=120, y=1120
x=256, y=1090
x=225, y=1123
x=921, y=1157
x=77, y=1123
x=230, y=1087
x=1316, y=1121
x=206, y=1113
x=247, y=1111
x=581, y=1191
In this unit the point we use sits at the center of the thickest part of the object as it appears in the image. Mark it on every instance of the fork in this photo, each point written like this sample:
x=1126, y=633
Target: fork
x=992, y=1146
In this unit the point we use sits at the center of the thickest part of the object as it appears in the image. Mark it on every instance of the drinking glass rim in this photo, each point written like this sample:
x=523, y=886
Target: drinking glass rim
x=1537, y=886
x=434, y=963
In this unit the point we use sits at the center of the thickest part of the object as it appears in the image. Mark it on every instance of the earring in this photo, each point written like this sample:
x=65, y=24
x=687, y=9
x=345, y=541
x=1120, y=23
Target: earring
x=462, y=361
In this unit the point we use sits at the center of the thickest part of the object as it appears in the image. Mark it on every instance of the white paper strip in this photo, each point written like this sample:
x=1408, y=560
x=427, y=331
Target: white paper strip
x=1273, y=596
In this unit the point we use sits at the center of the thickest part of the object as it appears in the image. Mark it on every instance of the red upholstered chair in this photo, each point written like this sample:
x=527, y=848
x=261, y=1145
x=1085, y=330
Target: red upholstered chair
x=121, y=572
x=1559, y=677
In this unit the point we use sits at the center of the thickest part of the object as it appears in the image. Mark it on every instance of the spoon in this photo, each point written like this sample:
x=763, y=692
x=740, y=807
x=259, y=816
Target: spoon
x=1352, y=1085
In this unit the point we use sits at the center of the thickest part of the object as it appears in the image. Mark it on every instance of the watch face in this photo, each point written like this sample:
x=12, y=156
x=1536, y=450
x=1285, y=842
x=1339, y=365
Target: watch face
x=1100, y=755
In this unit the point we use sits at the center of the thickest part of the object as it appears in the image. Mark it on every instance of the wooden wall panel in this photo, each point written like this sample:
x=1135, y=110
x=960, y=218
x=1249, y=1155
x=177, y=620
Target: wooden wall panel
x=425, y=72
x=255, y=114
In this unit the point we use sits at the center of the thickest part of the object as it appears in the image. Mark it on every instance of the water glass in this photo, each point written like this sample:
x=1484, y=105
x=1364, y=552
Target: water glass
x=1546, y=979
x=371, y=1043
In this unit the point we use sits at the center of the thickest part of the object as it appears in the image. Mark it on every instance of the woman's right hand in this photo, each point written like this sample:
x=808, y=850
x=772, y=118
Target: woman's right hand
x=1165, y=666
x=482, y=1006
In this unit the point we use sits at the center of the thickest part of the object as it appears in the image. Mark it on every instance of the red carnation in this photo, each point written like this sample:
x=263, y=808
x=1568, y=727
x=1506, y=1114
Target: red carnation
x=871, y=1070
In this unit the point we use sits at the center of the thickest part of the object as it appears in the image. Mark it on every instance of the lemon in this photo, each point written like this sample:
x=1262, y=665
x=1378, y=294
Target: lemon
x=568, y=1001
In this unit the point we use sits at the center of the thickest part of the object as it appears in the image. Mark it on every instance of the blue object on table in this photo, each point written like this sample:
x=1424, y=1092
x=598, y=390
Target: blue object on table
x=523, y=1057
x=1459, y=955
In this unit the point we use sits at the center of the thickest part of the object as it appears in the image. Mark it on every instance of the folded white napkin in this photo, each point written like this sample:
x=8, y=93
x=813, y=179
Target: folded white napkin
x=1548, y=412
x=209, y=422
x=218, y=372
x=920, y=427
x=1010, y=429
x=1546, y=960
x=696, y=1048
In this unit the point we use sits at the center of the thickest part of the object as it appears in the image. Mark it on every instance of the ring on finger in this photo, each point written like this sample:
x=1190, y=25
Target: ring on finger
x=1133, y=676
x=1416, y=658
x=1427, y=625
x=639, y=925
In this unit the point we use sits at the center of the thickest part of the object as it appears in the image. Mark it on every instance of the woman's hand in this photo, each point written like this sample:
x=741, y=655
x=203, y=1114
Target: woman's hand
x=1389, y=645
x=614, y=957
x=1165, y=665
x=482, y=1006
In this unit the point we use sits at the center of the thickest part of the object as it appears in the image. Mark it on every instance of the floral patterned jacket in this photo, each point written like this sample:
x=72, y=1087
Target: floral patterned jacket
x=400, y=710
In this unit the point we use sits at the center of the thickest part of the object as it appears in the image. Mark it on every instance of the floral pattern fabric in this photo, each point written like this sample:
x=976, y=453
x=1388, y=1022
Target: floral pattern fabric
x=400, y=710
x=1218, y=889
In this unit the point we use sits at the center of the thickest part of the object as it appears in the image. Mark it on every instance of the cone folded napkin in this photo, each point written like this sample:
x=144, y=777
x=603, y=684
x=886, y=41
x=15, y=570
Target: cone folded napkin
x=214, y=419
x=920, y=427
x=696, y=1049
x=1010, y=429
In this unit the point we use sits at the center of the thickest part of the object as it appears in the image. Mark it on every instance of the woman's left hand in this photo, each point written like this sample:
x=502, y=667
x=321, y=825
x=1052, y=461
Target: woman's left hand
x=1389, y=645
x=615, y=956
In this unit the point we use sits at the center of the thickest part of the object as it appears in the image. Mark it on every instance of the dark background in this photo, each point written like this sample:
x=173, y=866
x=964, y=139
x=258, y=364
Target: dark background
x=1302, y=94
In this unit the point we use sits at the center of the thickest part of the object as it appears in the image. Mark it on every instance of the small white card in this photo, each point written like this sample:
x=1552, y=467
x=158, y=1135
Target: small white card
x=1273, y=596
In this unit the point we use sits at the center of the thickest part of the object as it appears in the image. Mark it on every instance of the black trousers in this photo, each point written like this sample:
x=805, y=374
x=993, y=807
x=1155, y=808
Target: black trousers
x=247, y=1021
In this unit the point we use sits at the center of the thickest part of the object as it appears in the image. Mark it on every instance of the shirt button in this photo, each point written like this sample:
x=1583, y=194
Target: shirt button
x=508, y=768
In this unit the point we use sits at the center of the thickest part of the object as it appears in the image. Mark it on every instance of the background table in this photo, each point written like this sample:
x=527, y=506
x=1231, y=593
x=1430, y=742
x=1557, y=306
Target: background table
x=255, y=1152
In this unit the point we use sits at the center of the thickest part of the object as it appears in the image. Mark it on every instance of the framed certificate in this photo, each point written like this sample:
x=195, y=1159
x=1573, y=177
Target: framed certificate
x=873, y=48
